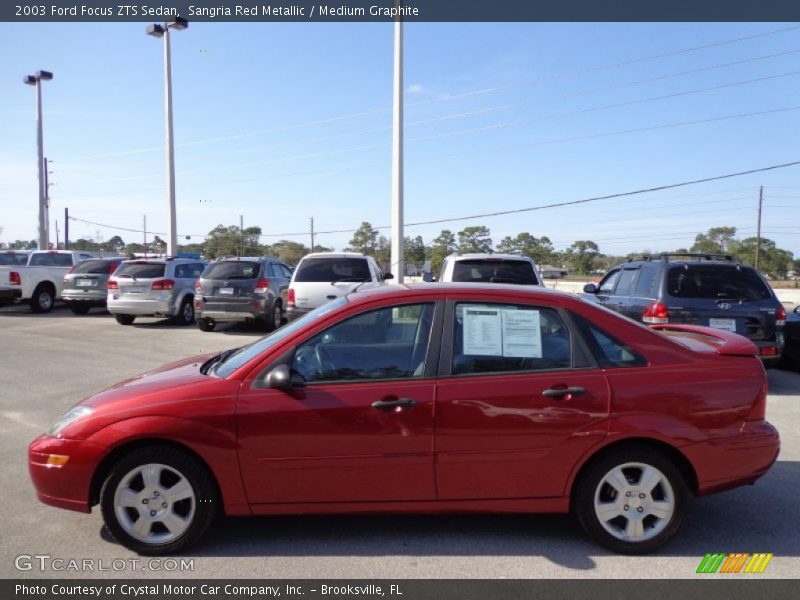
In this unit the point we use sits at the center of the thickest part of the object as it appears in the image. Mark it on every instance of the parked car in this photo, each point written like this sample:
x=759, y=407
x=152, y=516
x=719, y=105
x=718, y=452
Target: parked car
x=242, y=289
x=154, y=287
x=14, y=258
x=423, y=398
x=85, y=284
x=324, y=276
x=39, y=283
x=791, y=349
x=490, y=268
x=696, y=289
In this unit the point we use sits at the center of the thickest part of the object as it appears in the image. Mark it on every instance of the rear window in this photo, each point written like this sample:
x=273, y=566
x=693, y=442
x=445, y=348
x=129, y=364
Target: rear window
x=333, y=269
x=94, y=267
x=11, y=258
x=495, y=271
x=716, y=281
x=48, y=259
x=234, y=269
x=141, y=270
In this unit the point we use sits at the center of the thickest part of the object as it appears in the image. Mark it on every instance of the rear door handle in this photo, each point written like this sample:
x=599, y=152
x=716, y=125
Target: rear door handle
x=391, y=403
x=561, y=392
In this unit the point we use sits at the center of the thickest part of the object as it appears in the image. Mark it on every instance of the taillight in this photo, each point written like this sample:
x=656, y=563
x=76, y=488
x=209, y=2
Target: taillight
x=198, y=287
x=112, y=285
x=112, y=266
x=262, y=286
x=291, y=297
x=14, y=278
x=656, y=312
x=780, y=315
x=162, y=284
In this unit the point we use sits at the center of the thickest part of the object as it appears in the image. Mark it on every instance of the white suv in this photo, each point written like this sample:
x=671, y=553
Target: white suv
x=490, y=268
x=324, y=276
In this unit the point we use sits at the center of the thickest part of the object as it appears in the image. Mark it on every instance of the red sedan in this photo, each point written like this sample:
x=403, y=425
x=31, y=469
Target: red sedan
x=423, y=398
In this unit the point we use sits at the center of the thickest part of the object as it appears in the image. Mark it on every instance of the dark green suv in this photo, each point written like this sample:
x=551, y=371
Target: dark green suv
x=713, y=290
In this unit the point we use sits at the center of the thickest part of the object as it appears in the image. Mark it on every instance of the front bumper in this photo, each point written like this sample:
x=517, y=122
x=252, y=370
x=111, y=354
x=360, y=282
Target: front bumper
x=729, y=462
x=145, y=307
x=67, y=486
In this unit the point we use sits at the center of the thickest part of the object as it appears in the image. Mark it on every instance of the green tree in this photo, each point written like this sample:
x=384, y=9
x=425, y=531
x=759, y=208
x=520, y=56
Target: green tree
x=84, y=244
x=22, y=245
x=415, y=251
x=290, y=252
x=442, y=245
x=772, y=260
x=227, y=241
x=365, y=239
x=717, y=240
x=581, y=256
x=157, y=246
x=539, y=249
x=474, y=239
x=114, y=244
x=383, y=253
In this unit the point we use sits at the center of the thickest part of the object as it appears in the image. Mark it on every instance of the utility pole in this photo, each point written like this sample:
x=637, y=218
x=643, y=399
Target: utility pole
x=56, y=234
x=46, y=175
x=397, y=259
x=758, y=226
x=312, y=234
x=36, y=80
x=241, y=233
x=144, y=230
x=66, y=228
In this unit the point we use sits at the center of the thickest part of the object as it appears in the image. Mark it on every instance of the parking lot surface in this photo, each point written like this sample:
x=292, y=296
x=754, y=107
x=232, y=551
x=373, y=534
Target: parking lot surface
x=51, y=361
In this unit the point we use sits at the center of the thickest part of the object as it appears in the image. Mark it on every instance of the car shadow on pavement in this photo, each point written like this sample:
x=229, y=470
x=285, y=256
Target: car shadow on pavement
x=783, y=382
x=760, y=518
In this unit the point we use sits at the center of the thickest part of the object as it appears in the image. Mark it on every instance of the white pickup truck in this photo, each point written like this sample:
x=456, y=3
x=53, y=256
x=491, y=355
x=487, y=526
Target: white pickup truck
x=39, y=283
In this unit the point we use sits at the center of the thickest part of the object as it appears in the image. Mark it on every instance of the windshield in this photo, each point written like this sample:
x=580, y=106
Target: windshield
x=234, y=269
x=247, y=353
x=716, y=282
x=495, y=271
x=332, y=269
x=141, y=270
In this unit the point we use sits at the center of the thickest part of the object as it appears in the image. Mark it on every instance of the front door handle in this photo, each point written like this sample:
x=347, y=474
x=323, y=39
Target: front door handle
x=560, y=392
x=391, y=403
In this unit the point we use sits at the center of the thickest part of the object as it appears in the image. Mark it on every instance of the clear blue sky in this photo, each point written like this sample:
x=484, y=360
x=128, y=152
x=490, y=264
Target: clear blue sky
x=281, y=122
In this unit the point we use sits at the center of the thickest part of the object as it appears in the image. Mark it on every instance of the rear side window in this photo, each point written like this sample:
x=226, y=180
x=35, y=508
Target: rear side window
x=235, y=269
x=332, y=269
x=50, y=260
x=141, y=270
x=646, y=284
x=94, y=267
x=607, y=350
x=11, y=258
x=495, y=271
x=716, y=282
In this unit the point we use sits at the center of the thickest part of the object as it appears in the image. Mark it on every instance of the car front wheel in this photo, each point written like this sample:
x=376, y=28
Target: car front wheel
x=158, y=500
x=125, y=319
x=631, y=500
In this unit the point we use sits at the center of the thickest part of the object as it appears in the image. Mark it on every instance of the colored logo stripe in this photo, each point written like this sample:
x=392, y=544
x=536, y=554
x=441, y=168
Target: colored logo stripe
x=736, y=562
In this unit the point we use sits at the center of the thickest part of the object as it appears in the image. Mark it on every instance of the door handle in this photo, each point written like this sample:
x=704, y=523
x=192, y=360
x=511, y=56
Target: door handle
x=392, y=403
x=565, y=391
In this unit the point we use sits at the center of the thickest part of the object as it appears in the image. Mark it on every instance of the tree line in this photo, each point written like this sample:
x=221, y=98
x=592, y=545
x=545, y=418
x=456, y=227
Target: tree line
x=582, y=257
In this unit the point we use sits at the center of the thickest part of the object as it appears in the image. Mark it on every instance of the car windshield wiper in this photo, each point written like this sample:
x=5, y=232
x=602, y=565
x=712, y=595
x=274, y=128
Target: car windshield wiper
x=216, y=360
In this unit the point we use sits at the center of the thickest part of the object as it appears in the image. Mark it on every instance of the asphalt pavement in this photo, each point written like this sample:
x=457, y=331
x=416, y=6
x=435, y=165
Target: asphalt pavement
x=48, y=362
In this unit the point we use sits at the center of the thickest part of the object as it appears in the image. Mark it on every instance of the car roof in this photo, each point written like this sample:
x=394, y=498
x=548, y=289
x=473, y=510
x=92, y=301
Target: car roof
x=249, y=258
x=490, y=256
x=501, y=290
x=334, y=255
x=712, y=258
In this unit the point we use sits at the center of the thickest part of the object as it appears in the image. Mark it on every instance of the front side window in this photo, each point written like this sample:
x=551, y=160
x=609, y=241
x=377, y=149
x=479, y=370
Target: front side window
x=490, y=338
x=607, y=285
x=387, y=343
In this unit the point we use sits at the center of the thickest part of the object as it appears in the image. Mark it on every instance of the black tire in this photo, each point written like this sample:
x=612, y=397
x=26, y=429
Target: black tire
x=583, y=499
x=43, y=298
x=274, y=319
x=205, y=502
x=79, y=309
x=185, y=314
x=125, y=319
x=206, y=324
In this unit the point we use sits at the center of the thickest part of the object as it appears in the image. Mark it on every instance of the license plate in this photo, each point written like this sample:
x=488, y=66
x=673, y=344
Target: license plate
x=136, y=289
x=85, y=282
x=226, y=291
x=726, y=324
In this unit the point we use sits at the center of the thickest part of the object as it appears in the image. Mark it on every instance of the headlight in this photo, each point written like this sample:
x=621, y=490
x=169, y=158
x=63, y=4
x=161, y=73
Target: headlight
x=73, y=414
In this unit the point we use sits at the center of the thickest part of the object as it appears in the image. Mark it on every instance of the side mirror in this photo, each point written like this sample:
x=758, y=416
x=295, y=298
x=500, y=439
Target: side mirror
x=284, y=379
x=796, y=309
x=590, y=288
x=387, y=276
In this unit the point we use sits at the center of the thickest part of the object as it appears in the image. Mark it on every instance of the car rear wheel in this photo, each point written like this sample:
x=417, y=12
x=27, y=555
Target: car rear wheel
x=186, y=312
x=42, y=299
x=158, y=500
x=632, y=500
x=275, y=318
x=125, y=319
x=206, y=324
x=79, y=309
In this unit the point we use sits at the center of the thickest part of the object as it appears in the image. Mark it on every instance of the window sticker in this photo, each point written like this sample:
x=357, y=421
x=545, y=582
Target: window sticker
x=482, y=331
x=522, y=333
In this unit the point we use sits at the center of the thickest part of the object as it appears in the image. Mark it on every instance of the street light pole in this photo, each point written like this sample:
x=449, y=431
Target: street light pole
x=397, y=258
x=44, y=228
x=157, y=30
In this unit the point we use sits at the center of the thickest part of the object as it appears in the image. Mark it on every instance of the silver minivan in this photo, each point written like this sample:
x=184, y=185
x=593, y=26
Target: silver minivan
x=154, y=287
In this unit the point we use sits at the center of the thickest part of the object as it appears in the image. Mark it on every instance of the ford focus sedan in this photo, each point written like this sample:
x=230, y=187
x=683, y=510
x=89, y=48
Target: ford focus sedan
x=428, y=398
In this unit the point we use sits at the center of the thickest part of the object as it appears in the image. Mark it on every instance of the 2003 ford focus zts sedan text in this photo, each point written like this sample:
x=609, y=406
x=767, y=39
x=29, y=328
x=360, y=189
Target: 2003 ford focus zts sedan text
x=434, y=397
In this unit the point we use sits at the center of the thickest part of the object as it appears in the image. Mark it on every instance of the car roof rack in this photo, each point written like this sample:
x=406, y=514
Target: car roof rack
x=666, y=256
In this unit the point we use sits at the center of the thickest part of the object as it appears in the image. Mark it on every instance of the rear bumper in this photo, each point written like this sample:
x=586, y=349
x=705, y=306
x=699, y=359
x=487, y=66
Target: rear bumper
x=770, y=351
x=90, y=297
x=67, y=486
x=293, y=313
x=729, y=462
x=9, y=294
x=144, y=307
x=255, y=309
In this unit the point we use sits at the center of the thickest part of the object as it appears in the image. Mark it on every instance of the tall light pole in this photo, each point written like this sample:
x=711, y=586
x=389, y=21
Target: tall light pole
x=162, y=31
x=44, y=228
x=397, y=258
